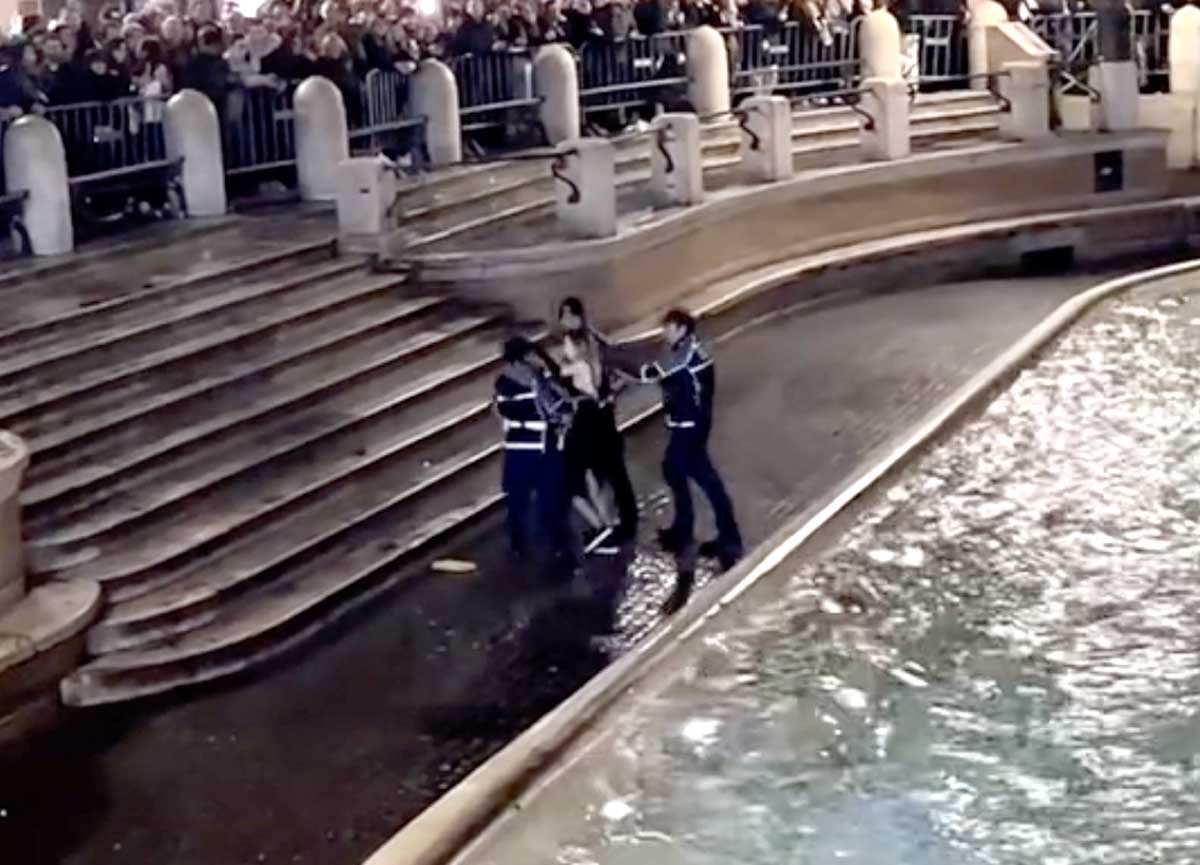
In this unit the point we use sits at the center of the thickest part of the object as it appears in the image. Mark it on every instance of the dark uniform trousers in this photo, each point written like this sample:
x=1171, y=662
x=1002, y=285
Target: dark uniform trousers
x=687, y=459
x=610, y=466
x=529, y=476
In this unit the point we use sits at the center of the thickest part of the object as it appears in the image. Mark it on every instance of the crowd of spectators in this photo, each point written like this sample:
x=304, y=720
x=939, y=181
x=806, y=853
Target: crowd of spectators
x=164, y=47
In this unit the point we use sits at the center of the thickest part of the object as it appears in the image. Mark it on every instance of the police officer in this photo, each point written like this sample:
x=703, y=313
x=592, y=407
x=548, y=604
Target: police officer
x=688, y=380
x=534, y=413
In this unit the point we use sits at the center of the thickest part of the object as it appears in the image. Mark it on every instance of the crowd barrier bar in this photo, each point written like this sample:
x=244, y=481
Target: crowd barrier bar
x=106, y=140
x=631, y=72
x=1075, y=37
x=259, y=130
x=492, y=86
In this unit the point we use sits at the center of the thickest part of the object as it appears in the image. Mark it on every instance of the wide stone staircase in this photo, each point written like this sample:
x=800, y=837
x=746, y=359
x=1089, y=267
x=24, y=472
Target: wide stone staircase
x=241, y=452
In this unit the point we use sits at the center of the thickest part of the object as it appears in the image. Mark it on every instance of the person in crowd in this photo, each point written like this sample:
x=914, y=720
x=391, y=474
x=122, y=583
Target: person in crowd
x=209, y=71
x=650, y=16
x=18, y=94
x=534, y=415
x=610, y=444
x=120, y=65
x=475, y=35
x=336, y=64
x=614, y=19
x=687, y=377
x=100, y=83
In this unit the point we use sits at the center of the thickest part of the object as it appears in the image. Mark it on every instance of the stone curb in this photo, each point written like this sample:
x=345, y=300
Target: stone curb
x=439, y=833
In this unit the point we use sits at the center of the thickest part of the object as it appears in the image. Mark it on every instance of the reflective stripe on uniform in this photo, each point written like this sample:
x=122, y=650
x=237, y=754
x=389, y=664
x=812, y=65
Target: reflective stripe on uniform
x=534, y=425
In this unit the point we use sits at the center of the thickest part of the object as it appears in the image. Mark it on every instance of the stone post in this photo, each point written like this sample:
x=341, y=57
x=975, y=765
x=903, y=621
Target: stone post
x=766, y=145
x=677, y=177
x=879, y=46
x=14, y=457
x=708, y=71
x=193, y=132
x=433, y=94
x=322, y=139
x=1026, y=86
x=983, y=15
x=34, y=161
x=586, y=195
x=885, y=136
x=556, y=81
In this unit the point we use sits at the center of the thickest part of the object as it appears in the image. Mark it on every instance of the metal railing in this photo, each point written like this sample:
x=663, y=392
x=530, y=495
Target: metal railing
x=631, y=72
x=796, y=57
x=491, y=86
x=1076, y=38
x=259, y=130
x=384, y=126
x=109, y=139
x=942, y=50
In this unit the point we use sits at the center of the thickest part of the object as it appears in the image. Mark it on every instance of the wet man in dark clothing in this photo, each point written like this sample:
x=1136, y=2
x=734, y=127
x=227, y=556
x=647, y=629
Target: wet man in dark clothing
x=688, y=380
x=610, y=461
x=534, y=414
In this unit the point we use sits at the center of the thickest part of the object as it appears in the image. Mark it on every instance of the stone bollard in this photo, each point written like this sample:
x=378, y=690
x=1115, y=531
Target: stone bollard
x=1176, y=113
x=14, y=457
x=366, y=192
x=677, y=178
x=586, y=194
x=1026, y=86
x=983, y=15
x=433, y=94
x=879, y=46
x=708, y=71
x=766, y=145
x=1118, y=86
x=1183, y=50
x=556, y=82
x=885, y=136
x=322, y=140
x=34, y=161
x=193, y=132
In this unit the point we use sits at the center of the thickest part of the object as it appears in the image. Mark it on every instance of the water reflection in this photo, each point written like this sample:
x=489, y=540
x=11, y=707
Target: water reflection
x=999, y=663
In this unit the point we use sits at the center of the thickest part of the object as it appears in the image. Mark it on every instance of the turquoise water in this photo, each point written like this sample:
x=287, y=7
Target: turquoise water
x=999, y=663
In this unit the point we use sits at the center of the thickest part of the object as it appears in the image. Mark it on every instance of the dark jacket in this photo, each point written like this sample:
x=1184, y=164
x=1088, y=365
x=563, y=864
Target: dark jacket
x=689, y=382
x=474, y=37
x=532, y=409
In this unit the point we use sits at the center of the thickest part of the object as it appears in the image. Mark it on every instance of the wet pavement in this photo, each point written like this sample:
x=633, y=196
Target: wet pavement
x=322, y=756
x=997, y=663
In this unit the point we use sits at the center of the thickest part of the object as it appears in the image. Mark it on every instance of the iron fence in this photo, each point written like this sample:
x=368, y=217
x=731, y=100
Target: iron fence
x=491, y=86
x=942, y=48
x=104, y=139
x=632, y=72
x=1075, y=36
x=259, y=130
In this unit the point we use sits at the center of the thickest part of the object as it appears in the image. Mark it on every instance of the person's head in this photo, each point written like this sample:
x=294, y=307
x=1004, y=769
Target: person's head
x=517, y=349
x=94, y=60
x=55, y=49
x=333, y=47
x=31, y=58
x=678, y=326
x=172, y=31
x=211, y=40
x=150, y=51
x=117, y=52
x=571, y=315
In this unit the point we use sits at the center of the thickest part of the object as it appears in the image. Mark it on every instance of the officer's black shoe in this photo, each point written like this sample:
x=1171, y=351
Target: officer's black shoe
x=729, y=557
x=710, y=549
x=672, y=541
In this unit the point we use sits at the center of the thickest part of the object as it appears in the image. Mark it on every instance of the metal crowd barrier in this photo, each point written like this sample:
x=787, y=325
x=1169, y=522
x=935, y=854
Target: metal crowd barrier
x=491, y=86
x=105, y=140
x=260, y=132
x=942, y=52
x=632, y=72
x=383, y=126
x=1075, y=37
x=798, y=57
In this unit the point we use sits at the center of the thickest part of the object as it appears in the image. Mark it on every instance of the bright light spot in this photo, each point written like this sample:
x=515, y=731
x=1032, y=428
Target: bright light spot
x=702, y=731
x=616, y=809
x=427, y=7
x=851, y=698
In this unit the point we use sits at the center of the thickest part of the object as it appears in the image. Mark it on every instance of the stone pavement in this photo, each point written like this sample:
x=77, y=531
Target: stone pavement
x=321, y=757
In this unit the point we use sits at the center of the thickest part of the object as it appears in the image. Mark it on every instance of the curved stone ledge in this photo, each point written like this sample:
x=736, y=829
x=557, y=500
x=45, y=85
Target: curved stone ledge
x=14, y=457
x=655, y=261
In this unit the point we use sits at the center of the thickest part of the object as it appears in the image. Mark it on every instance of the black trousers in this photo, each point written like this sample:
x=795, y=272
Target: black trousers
x=529, y=477
x=686, y=461
x=610, y=468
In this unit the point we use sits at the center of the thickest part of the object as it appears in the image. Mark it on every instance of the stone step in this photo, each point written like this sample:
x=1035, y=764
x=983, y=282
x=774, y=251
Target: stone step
x=327, y=579
x=418, y=359
x=114, y=430
x=182, y=350
x=64, y=316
